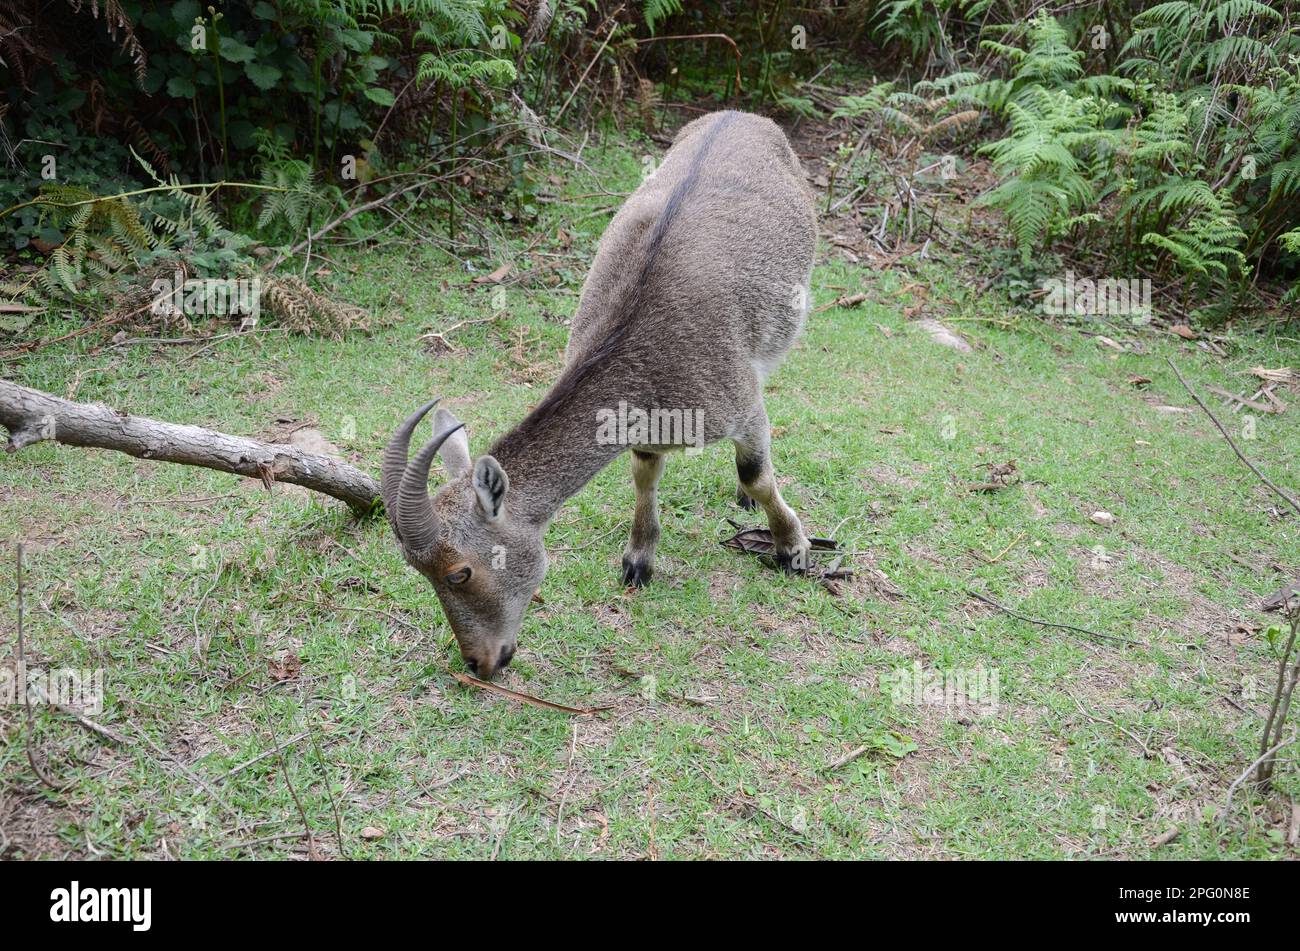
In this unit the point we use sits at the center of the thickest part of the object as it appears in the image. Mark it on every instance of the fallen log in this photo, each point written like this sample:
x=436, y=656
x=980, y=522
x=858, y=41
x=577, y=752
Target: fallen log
x=32, y=416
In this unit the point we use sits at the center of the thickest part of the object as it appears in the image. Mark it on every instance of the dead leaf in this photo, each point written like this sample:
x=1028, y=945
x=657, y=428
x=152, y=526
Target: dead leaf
x=759, y=542
x=1102, y=518
x=1184, y=331
x=1278, y=599
x=1241, y=633
x=844, y=300
x=1139, y=381
x=1001, y=475
x=496, y=277
x=286, y=668
x=370, y=833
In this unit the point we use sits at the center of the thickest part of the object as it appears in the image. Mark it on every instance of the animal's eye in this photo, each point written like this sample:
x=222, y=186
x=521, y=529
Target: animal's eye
x=459, y=574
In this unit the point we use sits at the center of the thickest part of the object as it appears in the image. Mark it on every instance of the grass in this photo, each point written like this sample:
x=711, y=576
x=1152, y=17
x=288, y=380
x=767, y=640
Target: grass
x=732, y=688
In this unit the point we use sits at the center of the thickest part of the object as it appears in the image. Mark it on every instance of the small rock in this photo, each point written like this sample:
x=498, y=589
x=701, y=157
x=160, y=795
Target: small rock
x=372, y=832
x=1102, y=518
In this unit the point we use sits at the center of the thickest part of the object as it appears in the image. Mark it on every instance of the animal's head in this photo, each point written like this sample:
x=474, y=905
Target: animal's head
x=484, y=564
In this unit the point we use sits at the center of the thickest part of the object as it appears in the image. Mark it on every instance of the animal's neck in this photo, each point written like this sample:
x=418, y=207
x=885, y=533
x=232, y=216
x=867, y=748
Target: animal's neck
x=554, y=452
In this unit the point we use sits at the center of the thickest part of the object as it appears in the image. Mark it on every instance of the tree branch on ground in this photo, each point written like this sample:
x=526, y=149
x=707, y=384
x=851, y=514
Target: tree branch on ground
x=32, y=416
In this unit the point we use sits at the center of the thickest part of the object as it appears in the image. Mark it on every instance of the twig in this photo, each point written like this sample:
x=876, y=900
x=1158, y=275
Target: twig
x=265, y=840
x=1285, y=496
x=25, y=348
x=1064, y=627
x=1281, y=704
x=701, y=36
x=1146, y=750
x=261, y=756
x=505, y=827
x=1227, y=806
x=302, y=813
x=22, y=686
x=1248, y=403
x=198, y=780
x=84, y=720
x=844, y=760
x=583, y=77
x=442, y=335
x=1165, y=837
x=346, y=216
x=200, y=645
x=32, y=416
x=568, y=783
x=528, y=698
x=47, y=202
x=320, y=761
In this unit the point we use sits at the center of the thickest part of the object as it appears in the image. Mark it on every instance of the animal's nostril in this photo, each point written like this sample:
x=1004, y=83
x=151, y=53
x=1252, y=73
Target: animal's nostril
x=507, y=653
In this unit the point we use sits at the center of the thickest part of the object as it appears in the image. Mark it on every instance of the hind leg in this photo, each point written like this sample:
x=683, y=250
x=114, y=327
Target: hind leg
x=758, y=482
x=639, y=555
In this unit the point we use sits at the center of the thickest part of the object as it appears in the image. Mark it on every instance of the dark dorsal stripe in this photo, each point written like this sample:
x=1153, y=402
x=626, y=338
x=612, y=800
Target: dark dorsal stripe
x=607, y=349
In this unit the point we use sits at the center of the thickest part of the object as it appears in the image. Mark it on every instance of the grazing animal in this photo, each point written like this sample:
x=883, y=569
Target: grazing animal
x=698, y=290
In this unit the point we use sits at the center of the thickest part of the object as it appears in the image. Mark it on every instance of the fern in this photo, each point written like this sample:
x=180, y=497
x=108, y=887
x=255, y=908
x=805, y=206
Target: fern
x=656, y=11
x=1207, y=245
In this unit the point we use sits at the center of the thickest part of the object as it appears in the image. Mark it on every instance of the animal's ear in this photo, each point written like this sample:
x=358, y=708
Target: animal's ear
x=490, y=485
x=455, y=451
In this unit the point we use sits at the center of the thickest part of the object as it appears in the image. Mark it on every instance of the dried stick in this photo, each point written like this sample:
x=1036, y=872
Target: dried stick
x=1033, y=620
x=1281, y=493
x=302, y=813
x=22, y=673
x=1227, y=806
x=1281, y=704
x=32, y=416
x=528, y=698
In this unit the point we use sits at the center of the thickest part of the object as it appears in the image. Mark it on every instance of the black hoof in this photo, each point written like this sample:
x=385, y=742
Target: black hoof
x=636, y=574
x=744, y=501
x=793, y=563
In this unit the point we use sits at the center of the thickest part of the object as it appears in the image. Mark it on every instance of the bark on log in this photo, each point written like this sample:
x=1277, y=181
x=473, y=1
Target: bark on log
x=32, y=416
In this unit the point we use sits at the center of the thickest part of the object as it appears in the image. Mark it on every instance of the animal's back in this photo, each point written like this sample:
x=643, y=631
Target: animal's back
x=699, y=286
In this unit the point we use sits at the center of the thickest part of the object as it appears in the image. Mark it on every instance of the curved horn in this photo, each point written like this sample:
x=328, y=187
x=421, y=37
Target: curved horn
x=390, y=474
x=416, y=524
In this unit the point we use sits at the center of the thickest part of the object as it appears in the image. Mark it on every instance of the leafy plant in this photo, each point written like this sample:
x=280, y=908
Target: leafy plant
x=1185, y=158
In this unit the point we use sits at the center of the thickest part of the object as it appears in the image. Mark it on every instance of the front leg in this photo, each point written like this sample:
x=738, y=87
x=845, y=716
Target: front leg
x=639, y=556
x=758, y=481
